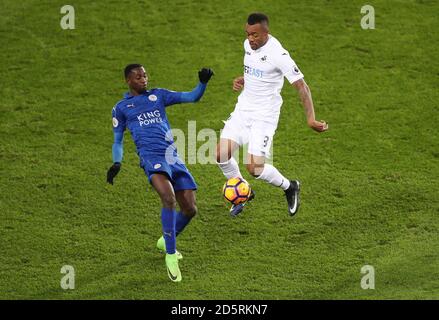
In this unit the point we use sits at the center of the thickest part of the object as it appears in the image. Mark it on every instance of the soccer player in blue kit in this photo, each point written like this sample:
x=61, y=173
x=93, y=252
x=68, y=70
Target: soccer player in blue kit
x=143, y=112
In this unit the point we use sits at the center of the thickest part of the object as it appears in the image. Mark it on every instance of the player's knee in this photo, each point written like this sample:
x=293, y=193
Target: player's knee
x=169, y=201
x=191, y=211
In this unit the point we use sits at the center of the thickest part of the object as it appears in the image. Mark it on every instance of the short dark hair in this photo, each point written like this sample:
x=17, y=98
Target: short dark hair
x=255, y=18
x=130, y=68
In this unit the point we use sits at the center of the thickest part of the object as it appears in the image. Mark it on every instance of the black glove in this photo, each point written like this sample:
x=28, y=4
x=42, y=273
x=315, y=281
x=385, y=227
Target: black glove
x=205, y=74
x=113, y=171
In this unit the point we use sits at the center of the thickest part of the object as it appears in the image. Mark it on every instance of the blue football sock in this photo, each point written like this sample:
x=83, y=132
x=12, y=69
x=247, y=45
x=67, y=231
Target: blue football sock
x=181, y=222
x=168, y=226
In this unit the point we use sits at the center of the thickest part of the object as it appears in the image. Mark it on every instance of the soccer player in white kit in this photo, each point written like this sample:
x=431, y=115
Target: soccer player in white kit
x=256, y=115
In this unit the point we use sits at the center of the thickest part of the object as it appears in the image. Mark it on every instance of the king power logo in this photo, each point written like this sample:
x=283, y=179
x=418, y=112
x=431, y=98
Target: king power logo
x=146, y=118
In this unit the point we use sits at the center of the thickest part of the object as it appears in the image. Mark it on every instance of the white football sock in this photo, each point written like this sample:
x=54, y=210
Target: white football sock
x=271, y=175
x=230, y=168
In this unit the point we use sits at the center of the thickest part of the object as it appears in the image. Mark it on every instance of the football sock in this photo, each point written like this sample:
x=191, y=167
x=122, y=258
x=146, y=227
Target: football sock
x=271, y=175
x=168, y=225
x=230, y=168
x=181, y=222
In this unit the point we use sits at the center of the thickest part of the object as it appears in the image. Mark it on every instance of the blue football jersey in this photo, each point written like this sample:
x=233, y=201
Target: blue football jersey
x=145, y=117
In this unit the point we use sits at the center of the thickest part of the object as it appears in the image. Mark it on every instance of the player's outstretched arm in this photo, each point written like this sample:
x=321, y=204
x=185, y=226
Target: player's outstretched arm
x=195, y=95
x=306, y=98
x=117, y=157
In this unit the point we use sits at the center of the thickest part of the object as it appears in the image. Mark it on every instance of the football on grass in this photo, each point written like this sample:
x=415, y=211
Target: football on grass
x=236, y=190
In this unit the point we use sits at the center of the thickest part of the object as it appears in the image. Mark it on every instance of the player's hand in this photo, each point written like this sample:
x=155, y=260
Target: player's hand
x=113, y=171
x=205, y=74
x=238, y=83
x=319, y=126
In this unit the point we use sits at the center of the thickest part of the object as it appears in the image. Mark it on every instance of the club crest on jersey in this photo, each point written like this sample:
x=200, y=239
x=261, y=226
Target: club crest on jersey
x=152, y=97
x=115, y=122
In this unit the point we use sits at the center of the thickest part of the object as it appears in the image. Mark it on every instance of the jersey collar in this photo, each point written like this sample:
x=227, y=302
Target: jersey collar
x=128, y=95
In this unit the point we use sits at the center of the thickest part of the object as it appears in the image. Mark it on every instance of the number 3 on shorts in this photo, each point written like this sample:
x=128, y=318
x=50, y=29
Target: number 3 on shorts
x=266, y=138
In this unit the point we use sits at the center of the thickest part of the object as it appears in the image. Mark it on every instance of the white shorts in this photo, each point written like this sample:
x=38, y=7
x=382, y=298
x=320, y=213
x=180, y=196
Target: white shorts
x=258, y=134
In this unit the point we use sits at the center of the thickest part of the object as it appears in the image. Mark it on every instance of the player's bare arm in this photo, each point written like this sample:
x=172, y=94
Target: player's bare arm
x=238, y=83
x=306, y=98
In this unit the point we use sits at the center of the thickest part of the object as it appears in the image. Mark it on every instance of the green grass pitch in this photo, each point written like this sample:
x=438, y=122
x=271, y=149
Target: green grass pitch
x=369, y=185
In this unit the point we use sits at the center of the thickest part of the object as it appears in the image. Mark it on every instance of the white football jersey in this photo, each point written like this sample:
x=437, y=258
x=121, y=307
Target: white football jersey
x=264, y=72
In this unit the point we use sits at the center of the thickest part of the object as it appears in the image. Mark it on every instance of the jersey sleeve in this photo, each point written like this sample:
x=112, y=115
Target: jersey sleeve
x=119, y=121
x=287, y=66
x=170, y=97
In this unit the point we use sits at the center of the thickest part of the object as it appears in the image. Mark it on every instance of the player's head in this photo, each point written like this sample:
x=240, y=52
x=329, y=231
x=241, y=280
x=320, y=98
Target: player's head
x=257, y=30
x=136, y=77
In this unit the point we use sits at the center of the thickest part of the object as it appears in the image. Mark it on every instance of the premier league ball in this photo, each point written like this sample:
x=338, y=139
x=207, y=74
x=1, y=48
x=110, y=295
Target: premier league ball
x=236, y=190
